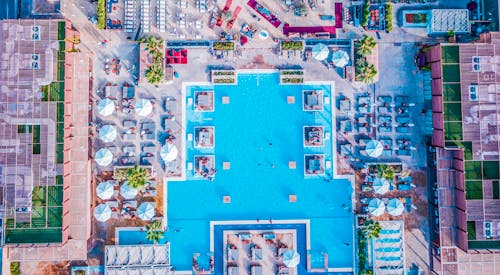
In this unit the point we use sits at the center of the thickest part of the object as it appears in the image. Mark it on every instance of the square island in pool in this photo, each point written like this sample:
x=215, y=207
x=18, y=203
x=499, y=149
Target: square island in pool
x=246, y=175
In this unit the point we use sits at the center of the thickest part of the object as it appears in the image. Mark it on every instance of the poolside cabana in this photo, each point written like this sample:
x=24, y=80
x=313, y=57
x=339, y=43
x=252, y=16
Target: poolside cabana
x=312, y=100
x=313, y=135
x=395, y=207
x=320, y=51
x=102, y=212
x=376, y=207
x=291, y=258
x=374, y=148
x=388, y=255
x=105, y=190
x=128, y=192
x=137, y=259
x=204, y=101
x=176, y=56
x=143, y=107
x=204, y=137
x=146, y=211
x=340, y=58
x=103, y=157
x=106, y=107
x=314, y=164
x=204, y=166
x=381, y=186
x=169, y=152
x=107, y=133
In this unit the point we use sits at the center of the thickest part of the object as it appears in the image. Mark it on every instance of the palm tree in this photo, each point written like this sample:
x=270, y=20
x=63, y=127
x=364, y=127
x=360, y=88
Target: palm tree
x=154, y=74
x=372, y=229
x=154, y=45
x=154, y=232
x=366, y=72
x=365, y=45
x=137, y=177
x=385, y=171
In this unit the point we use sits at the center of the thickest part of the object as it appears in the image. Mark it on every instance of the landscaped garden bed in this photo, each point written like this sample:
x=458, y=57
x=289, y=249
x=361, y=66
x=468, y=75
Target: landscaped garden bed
x=292, y=76
x=224, y=77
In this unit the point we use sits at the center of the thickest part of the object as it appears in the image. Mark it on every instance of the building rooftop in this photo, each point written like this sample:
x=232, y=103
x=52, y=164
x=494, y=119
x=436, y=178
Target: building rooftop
x=444, y=20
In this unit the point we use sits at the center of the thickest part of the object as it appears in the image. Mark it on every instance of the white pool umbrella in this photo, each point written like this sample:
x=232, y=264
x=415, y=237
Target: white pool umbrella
x=106, y=107
x=374, y=148
x=381, y=186
x=105, y=190
x=103, y=157
x=376, y=207
x=320, y=51
x=291, y=258
x=102, y=212
x=340, y=58
x=107, y=133
x=143, y=107
x=146, y=211
x=128, y=192
x=169, y=152
x=395, y=207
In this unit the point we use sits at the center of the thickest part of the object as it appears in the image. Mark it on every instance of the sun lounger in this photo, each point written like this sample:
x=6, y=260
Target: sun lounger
x=147, y=160
x=129, y=137
x=233, y=255
x=233, y=270
x=130, y=203
x=129, y=150
x=149, y=149
x=256, y=253
x=112, y=204
x=150, y=193
x=402, y=129
x=256, y=270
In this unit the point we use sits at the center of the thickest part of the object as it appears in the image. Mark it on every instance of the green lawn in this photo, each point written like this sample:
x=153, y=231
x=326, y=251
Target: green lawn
x=452, y=111
x=473, y=190
x=60, y=132
x=471, y=230
x=61, y=30
x=451, y=73
x=449, y=54
x=473, y=170
x=491, y=170
x=453, y=130
x=451, y=92
x=60, y=153
x=33, y=235
x=60, y=71
x=484, y=244
x=466, y=145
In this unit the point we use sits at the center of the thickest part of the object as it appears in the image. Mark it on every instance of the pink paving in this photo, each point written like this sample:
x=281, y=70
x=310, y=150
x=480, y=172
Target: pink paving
x=287, y=29
x=338, y=15
x=235, y=16
x=264, y=12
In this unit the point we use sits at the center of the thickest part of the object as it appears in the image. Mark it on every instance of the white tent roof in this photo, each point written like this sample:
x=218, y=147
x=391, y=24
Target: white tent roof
x=291, y=258
x=107, y=133
x=106, y=107
x=103, y=157
x=137, y=259
x=102, y=212
x=169, y=152
x=105, y=190
x=320, y=51
x=381, y=186
x=395, y=207
x=340, y=58
x=376, y=207
x=146, y=211
x=374, y=148
x=143, y=107
x=127, y=192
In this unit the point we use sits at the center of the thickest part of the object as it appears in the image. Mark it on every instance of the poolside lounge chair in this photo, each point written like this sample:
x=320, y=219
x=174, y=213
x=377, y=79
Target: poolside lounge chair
x=256, y=270
x=256, y=253
x=130, y=203
x=269, y=236
x=233, y=255
x=233, y=270
x=149, y=149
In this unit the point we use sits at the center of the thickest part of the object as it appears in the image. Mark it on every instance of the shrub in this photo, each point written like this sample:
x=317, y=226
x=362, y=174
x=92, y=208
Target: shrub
x=101, y=14
x=292, y=45
x=388, y=17
x=14, y=268
x=223, y=46
x=366, y=14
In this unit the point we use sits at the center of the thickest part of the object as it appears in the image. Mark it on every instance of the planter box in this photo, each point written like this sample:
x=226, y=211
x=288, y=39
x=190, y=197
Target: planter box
x=227, y=77
x=292, y=76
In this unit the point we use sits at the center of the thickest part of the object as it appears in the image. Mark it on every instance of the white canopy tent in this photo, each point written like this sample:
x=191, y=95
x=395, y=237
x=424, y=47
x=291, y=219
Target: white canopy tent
x=146, y=211
x=395, y=207
x=291, y=258
x=340, y=58
x=105, y=190
x=374, y=148
x=102, y=212
x=320, y=51
x=103, y=157
x=128, y=192
x=107, y=133
x=381, y=186
x=376, y=207
x=106, y=107
x=169, y=152
x=143, y=107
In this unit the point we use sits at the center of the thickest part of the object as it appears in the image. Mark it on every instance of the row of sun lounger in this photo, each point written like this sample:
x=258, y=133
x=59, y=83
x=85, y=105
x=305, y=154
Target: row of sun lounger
x=130, y=15
x=145, y=16
x=161, y=15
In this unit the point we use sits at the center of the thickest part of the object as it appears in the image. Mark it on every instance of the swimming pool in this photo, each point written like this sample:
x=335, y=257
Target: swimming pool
x=258, y=132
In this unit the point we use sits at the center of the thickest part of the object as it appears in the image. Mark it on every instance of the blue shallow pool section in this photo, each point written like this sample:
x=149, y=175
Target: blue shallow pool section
x=259, y=132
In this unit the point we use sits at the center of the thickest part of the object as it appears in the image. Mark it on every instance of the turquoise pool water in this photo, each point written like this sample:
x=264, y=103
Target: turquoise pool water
x=258, y=132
